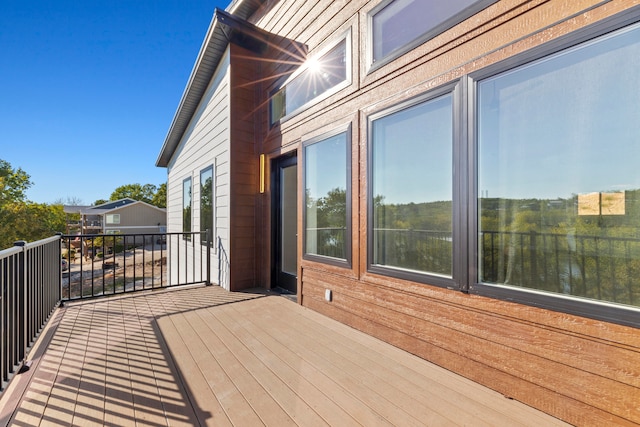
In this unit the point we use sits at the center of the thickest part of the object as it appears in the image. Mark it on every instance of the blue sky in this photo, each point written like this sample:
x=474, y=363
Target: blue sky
x=88, y=89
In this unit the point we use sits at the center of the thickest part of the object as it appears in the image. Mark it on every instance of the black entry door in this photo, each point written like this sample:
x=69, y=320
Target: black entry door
x=285, y=216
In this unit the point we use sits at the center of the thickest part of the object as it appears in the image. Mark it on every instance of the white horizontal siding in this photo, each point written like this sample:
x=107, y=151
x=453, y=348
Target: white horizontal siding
x=205, y=143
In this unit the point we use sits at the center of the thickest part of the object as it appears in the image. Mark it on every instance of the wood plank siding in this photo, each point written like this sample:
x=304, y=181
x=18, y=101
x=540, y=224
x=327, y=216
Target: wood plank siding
x=584, y=371
x=244, y=169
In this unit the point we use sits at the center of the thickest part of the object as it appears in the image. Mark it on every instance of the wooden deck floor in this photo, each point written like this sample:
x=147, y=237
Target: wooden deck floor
x=203, y=356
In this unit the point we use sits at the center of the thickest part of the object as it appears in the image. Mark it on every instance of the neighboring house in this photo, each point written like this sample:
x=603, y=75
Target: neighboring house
x=124, y=216
x=456, y=178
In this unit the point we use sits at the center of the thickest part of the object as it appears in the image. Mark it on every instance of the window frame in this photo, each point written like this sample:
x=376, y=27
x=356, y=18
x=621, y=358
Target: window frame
x=113, y=218
x=345, y=37
x=347, y=261
x=575, y=305
x=440, y=28
x=211, y=169
x=182, y=209
x=458, y=273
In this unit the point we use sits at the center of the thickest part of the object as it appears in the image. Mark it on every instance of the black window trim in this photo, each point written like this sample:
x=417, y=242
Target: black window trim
x=589, y=308
x=465, y=14
x=347, y=262
x=459, y=252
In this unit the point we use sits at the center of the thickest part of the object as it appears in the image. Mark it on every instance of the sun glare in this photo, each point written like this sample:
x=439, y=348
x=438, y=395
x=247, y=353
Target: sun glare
x=313, y=65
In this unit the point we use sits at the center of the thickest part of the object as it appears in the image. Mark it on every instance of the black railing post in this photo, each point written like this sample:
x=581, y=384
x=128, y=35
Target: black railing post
x=21, y=305
x=533, y=254
x=208, y=257
x=219, y=261
x=60, y=269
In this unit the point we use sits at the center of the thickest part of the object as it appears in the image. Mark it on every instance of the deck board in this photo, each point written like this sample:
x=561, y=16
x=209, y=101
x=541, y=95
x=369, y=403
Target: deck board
x=204, y=356
x=352, y=371
x=295, y=393
x=430, y=383
x=265, y=407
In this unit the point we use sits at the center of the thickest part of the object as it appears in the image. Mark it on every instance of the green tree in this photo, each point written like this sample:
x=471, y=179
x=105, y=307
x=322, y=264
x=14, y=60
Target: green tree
x=21, y=219
x=160, y=198
x=32, y=221
x=144, y=193
x=13, y=184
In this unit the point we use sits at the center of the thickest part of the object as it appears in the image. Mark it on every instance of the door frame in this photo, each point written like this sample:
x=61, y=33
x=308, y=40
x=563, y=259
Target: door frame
x=278, y=277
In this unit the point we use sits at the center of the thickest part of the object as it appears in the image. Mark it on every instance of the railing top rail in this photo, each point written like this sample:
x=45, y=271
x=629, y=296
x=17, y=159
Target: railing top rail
x=10, y=251
x=89, y=236
x=563, y=235
x=42, y=242
x=418, y=230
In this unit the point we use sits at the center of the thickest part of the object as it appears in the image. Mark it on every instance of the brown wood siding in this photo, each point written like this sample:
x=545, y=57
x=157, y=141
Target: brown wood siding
x=531, y=361
x=583, y=371
x=243, y=173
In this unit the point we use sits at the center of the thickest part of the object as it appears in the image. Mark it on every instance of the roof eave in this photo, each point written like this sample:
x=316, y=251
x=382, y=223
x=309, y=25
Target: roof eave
x=213, y=47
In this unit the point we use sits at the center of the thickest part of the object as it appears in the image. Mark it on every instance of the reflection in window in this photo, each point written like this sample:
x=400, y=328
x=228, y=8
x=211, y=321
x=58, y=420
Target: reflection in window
x=558, y=184
x=206, y=201
x=186, y=208
x=412, y=192
x=326, y=196
x=402, y=22
x=319, y=76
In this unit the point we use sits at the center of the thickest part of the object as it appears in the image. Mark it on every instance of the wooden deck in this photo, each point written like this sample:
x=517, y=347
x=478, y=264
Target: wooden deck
x=203, y=356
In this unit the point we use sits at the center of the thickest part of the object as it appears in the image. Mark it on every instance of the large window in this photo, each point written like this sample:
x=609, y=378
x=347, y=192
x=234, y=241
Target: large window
x=411, y=191
x=327, y=194
x=206, y=201
x=520, y=181
x=399, y=25
x=558, y=183
x=186, y=208
x=319, y=76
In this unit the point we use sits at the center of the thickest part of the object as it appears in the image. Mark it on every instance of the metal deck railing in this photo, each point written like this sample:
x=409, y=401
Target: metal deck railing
x=36, y=277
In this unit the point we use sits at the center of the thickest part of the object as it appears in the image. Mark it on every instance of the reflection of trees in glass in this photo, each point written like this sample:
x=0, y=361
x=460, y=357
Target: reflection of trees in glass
x=546, y=245
x=186, y=208
x=415, y=236
x=327, y=224
x=206, y=200
x=534, y=243
x=186, y=219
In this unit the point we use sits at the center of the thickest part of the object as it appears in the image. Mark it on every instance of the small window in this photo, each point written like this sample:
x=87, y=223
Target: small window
x=113, y=218
x=411, y=189
x=186, y=208
x=327, y=196
x=400, y=25
x=206, y=202
x=320, y=76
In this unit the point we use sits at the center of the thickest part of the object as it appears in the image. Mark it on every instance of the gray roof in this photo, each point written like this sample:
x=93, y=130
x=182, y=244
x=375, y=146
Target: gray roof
x=211, y=52
x=99, y=209
x=84, y=210
x=115, y=204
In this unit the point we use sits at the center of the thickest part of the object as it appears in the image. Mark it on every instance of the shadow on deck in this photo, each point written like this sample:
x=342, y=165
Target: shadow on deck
x=204, y=356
